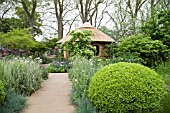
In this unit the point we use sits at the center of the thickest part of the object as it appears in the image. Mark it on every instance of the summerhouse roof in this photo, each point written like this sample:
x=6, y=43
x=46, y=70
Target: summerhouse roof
x=99, y=36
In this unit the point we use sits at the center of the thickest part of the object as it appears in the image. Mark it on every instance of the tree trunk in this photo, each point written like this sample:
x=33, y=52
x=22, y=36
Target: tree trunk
x=31, y=24
x=88, y=9
x=59, y=15
x=60, y=28
x=31, y=14
x=152, y=7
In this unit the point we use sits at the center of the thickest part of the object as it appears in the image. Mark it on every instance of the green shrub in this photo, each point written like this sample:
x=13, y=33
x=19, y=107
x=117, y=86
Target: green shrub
x=13, y=103
x=126, y=88
x=22, y=75
x=152, y=52
x=2, y=93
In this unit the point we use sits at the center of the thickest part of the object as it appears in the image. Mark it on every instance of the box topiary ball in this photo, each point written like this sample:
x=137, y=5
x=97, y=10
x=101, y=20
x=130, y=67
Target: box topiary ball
x=2, y=92
x=126, y=88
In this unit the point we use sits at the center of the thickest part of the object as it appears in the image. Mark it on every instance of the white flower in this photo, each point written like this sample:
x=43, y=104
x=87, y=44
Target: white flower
x=37, y=58
x=76, y=80
x=30, y=57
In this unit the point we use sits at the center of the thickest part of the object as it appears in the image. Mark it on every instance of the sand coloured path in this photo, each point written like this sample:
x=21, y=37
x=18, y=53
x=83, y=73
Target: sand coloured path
x=52, y=97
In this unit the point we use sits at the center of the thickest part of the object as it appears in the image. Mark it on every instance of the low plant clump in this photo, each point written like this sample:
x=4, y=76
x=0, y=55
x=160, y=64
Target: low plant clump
x=22, y=75
x=80, y=74
x=13, y=103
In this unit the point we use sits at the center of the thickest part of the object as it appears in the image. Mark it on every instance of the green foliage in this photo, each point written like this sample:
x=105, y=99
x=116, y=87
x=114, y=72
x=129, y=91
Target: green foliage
x=21, y=75
x=45, y=74
x=107, y=31
x=51, y=68
x=54, y=68
x=39, y=48
x=158, y=27
x=13, y=103
x=127, y=88
x=17, y=39
x=86, y=107
x=164, y=70
x=79, y=44
x=152, y=52
x=80, y=73
x=165, y=104
x=51, y=43
x=2, y=93
x=7, y=24
x=44, y=46
x=23, y=16
x=46, y=59
x=127, y=57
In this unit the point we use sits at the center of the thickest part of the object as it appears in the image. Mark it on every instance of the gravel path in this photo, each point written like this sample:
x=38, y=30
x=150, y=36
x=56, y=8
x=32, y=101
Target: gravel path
x=53, y=97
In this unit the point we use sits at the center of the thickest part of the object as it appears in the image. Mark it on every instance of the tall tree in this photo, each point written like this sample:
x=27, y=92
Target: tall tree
x=133, y=9
x=59, y=9
x=88, y=9
x=126, y=16
x=30, y=12
x=62, y=10
x=5, y=7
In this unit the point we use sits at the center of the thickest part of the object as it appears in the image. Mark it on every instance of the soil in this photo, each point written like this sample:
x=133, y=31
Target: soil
x=52, y=97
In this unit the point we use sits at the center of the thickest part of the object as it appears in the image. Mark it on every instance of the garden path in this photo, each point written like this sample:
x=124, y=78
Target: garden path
x=52, y=97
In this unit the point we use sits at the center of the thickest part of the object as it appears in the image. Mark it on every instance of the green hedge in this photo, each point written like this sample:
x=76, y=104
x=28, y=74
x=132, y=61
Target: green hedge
x=126, y=88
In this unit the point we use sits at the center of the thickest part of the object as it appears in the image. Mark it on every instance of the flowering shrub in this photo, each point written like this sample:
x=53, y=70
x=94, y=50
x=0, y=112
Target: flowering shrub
x=80, y=44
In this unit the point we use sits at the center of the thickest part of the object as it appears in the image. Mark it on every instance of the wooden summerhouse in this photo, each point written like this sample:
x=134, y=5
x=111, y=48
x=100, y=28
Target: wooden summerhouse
x=99, y=39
